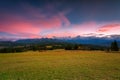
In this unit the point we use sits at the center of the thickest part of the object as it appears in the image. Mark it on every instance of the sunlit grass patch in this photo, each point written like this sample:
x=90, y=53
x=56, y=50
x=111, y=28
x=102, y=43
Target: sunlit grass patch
x=60, y=65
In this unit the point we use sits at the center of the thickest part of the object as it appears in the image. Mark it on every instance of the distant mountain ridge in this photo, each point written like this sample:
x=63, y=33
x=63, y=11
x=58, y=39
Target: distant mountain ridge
x=102, y=41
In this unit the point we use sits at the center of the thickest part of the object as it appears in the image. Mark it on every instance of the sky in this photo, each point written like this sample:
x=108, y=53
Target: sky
x=21, y=19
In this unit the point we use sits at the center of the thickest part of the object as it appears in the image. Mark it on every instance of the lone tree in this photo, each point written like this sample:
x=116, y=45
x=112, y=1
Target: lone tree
x=114, y=46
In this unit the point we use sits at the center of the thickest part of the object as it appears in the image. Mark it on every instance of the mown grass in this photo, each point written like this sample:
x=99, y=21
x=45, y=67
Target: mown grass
x=60, y=65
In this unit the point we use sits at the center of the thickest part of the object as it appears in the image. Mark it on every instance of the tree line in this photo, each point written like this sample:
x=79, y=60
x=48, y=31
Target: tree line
x=66, y=46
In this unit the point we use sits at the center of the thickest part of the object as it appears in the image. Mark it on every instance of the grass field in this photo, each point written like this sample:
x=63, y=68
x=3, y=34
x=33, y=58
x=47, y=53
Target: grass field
x=60, y=65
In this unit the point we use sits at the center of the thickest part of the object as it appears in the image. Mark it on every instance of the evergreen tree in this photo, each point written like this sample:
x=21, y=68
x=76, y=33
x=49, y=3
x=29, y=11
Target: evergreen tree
x=68, y=47
x=75, y=47
x=114, y=46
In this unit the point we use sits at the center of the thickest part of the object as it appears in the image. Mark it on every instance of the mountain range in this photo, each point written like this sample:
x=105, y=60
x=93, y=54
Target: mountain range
x=91, y=40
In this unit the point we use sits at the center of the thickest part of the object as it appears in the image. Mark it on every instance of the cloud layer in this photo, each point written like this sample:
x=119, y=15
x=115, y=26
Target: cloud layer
x=50, y=20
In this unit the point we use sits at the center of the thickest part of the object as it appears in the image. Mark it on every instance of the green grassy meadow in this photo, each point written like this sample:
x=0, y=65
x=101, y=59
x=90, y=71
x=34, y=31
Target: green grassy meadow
x=60, y=65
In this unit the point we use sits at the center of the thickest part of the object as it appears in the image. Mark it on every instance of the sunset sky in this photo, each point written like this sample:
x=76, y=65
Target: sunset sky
x=21, y=19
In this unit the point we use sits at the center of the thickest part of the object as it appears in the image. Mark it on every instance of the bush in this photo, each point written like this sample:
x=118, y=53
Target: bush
x=114, y=46
x=75, y=47
x=68, y=47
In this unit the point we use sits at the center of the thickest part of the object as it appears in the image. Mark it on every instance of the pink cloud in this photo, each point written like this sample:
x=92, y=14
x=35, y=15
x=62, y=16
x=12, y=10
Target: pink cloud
x=28, y=35
x=61, y=34
x=45, y=18
x=32, y=25
x=53, y=22
x=33, y=21
x=85, y=28
x=109, y=27
x=15, y=27
x=73, y=30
